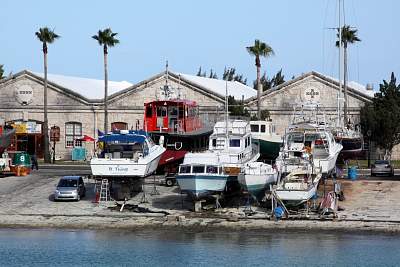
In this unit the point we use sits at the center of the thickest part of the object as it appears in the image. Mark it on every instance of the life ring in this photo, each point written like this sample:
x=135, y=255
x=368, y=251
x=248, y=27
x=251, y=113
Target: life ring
x=176, y=145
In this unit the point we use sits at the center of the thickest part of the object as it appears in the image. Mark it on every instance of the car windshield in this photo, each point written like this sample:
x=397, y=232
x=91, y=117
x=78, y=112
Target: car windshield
x=381, y=162
x=68, y=183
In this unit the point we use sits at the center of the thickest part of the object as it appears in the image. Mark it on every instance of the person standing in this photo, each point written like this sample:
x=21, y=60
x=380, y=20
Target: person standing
x=34, y=162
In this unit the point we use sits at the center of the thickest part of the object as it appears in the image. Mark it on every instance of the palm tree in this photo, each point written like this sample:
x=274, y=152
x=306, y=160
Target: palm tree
x=1, y=72
x=106, y=38
x=264, y=50
x=349, y=36
x=46, y=36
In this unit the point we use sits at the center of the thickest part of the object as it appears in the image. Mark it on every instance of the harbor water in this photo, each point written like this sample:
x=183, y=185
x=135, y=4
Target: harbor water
x=27, y=247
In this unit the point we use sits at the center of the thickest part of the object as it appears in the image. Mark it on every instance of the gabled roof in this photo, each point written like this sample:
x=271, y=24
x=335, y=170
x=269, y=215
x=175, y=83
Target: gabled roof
x=89, y=88
x=235, y=89
x=211, y=87
x=352, y=87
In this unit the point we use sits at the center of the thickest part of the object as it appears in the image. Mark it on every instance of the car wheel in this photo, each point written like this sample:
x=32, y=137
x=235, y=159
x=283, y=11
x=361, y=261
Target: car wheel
x=169, y=182
x=79, y=197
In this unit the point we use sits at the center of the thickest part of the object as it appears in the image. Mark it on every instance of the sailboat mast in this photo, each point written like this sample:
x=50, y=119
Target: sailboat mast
x=340, y=67
x=226, y=115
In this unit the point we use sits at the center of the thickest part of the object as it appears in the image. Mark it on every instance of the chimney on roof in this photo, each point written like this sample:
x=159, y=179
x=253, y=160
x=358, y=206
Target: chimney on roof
x=370, y=87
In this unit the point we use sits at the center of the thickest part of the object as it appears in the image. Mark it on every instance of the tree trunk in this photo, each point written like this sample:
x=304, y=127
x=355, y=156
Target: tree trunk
x=105, y=92
x=345, y=86
x=259, y=92
x=45, y=120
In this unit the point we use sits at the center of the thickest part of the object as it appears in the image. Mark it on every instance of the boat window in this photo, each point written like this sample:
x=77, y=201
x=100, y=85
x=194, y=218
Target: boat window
x=145, y=149
x=214, y=142
x=255, y=128
x=198, y=168
x=184, y=169
x=173, y=111
x=181, y=112
x=161, y=111
x=263, y=128
x=234, y=142
x=149, y=111
x=212, y=169
x=245, y=142
x=296, y=138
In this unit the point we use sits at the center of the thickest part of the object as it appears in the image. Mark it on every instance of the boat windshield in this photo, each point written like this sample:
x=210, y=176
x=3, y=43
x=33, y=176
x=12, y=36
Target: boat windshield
x=312, y=137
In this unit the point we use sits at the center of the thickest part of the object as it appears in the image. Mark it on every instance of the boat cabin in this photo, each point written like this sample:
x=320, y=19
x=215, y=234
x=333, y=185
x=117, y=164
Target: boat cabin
x=262, y=127
x=124, y=145
x=172, y=116
x=200, y=169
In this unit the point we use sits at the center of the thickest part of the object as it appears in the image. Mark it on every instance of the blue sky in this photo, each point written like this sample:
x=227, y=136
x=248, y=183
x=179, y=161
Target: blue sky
x=211, y=34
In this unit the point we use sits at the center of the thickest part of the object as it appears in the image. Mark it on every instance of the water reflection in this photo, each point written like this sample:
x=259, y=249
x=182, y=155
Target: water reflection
x=20, y=247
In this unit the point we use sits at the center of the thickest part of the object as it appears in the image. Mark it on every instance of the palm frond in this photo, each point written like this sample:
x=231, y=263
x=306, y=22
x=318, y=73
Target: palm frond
x=349, y=35
x=260, y=49
x=45, y=35
x=106, y=37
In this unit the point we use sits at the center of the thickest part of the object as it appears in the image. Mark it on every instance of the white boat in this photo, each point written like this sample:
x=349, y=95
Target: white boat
x=270, y=142
x=126, y=154
x=230, y=148
x=256, y=177
x=299, y=185
x=308, y=138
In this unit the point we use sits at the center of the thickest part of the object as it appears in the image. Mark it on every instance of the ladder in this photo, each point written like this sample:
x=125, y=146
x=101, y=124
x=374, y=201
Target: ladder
x=104, y=191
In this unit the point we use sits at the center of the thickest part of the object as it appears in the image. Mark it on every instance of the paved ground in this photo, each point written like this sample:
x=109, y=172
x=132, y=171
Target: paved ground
x=28, y=201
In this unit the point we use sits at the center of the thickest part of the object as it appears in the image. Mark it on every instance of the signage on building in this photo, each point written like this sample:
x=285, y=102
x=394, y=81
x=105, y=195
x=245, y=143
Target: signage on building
x=27, y=127
x=24, y=94
x=55, y=134
x=311, y=94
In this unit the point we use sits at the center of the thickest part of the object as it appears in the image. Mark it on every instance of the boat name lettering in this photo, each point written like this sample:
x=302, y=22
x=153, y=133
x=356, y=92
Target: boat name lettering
x=118, y=169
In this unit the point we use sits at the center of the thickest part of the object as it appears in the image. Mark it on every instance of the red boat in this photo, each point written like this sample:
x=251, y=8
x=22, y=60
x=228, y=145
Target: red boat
x=6, y=135
x=176, y=122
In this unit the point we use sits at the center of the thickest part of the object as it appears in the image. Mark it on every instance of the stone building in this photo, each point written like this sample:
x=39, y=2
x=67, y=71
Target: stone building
x=75, y=105
x=280, y=101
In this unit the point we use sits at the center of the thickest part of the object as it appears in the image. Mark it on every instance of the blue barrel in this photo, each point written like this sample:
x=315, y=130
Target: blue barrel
x=352, y=173
x=278, y=212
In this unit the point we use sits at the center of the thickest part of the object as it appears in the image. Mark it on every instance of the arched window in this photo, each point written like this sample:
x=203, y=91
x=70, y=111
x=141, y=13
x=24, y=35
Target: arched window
x=119, y=125
x=73, y=131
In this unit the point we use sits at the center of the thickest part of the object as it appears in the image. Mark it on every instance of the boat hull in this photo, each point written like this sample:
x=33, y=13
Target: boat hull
x=5, y=139
x=123, y=167
x=297, y=197
x=200, y=186
x=256, y=184
x=268, y=149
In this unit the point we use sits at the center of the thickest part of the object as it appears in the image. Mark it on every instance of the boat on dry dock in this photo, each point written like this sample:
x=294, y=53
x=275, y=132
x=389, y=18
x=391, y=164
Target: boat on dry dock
x=256, y=177
x=269, y=141
x=300, y=185
x=308, y=137
x=126, y=154
x=177, y=122
x=230, y=148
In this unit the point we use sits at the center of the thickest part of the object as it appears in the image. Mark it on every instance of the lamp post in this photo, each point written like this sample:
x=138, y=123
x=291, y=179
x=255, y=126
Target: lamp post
x=369, y=148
